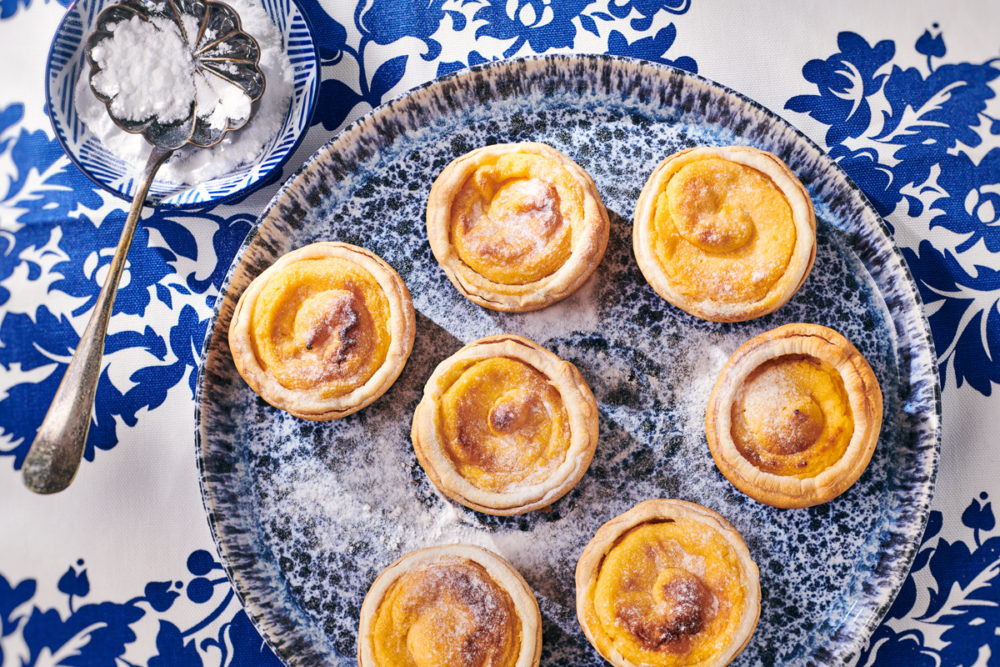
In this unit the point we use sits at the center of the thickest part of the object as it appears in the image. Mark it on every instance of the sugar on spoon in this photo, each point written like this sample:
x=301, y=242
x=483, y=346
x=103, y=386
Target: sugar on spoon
x=221, y=76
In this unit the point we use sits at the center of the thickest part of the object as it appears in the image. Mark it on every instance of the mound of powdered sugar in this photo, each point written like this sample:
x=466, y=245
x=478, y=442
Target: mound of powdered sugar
x=168, y=94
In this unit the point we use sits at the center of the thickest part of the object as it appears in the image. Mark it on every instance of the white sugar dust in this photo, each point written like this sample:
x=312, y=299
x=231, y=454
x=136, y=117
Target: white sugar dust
x=148, y=69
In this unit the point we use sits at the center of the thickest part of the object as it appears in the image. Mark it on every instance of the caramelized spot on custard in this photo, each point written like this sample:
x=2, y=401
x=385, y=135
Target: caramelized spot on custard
x=514, y=411
x=668, y=593
x=792, y=416
x=520, y=221
x=447, y=613
x=722, y=231
x=680, y=612
x=503, y=424
x=325, y=320
x=321, y=324
x=512, y=220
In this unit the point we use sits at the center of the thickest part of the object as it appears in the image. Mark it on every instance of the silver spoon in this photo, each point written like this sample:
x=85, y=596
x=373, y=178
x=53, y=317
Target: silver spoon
x=220, y=48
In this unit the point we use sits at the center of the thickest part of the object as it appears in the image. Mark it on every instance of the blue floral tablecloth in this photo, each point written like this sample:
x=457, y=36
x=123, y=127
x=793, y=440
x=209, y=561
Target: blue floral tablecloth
x=120, y=568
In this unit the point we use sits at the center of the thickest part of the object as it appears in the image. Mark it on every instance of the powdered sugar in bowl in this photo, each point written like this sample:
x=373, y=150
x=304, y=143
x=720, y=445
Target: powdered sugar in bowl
x=193, y=176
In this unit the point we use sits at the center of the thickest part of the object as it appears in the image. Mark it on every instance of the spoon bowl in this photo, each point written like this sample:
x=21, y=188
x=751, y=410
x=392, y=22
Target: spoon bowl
x=67, y=61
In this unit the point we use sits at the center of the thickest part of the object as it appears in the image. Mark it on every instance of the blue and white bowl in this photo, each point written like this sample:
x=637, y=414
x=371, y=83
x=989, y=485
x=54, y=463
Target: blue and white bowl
x=67, y=61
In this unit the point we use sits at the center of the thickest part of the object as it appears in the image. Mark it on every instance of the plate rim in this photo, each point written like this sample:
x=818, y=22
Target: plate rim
x=889, y=584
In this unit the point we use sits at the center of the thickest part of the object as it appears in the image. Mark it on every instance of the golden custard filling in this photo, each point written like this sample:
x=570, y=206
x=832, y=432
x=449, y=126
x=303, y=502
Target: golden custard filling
x=514, y=217
x=722, y=231
x=669, y=593
x=792, y=416
x=503, y=423
x=321, y=324
x=448, y=613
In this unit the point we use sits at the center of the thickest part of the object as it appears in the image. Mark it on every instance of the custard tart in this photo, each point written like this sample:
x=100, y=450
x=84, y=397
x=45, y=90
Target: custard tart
x=724, y=233
x=666, y=584
x=795, y=415
x=450, y=605
x=505, y=426
x=324, y=331
x=516, y=227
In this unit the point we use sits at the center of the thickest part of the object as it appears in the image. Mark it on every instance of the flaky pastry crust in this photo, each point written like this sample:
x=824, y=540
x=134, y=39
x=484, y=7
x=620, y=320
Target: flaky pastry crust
x=719, y=232
x=556, y=392
x=690, y=600
x=560, y=210
x=821, y=347
x=335, y=316
x=433, y=559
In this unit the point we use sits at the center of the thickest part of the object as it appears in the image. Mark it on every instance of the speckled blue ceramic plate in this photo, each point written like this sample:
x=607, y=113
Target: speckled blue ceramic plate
x=306, y=514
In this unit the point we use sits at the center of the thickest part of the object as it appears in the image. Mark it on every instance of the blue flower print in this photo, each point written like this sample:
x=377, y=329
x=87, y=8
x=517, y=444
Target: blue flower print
x=964, y=315
x=845, y=81
x=961, y=584
x=65, y=263
x=650, y=48
x=877, y=180
x=918, y=152
x=972, y=205
x=930, y=116
x=387, y=21
x=543, y=24
x=99, y=633
x=647, y=10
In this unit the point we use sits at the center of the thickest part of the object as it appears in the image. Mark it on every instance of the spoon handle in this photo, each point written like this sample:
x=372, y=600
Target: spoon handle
x=55, y=454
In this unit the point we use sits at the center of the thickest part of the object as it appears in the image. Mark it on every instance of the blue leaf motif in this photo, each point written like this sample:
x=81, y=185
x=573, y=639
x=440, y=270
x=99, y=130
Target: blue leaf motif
x=964, y=600
x=12, y=597
x=248, y=647
x=148, y=340
x=163, y=294
x=947, y=567
x=336, y=100
x=642, y=23
x=589, y=25
x=447, y=67
x=9, y=117
x=159, y=595
x=650, y=48
x=929, y=116
x=74, y=583
x=979, y=517
x=173, y=651
x=386, y=76
x=178, y=237
x=457, y=20
x=930, y=45
x=96, y=633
